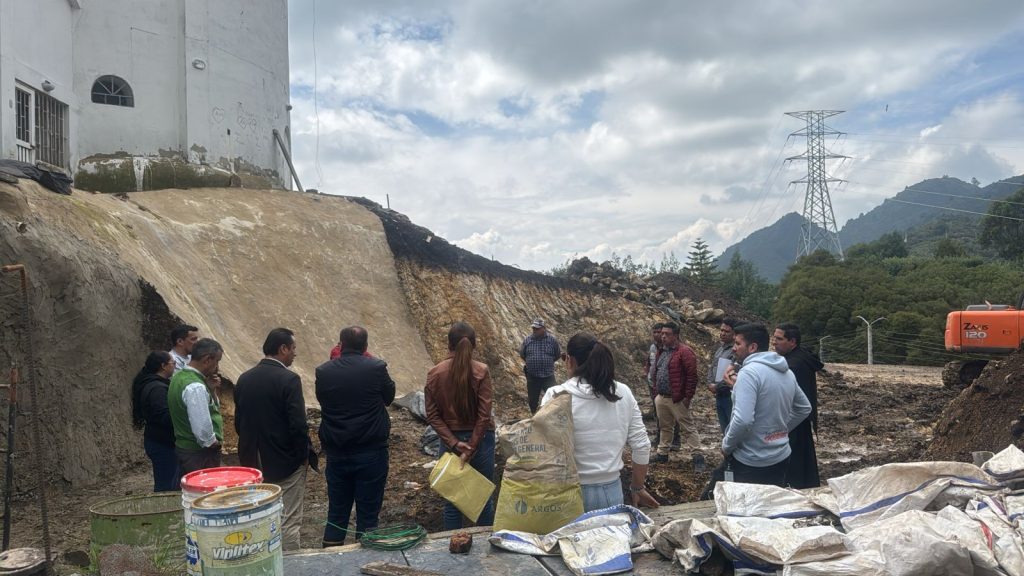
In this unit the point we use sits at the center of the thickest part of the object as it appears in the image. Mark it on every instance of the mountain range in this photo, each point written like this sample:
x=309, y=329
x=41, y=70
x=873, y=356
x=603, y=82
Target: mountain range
x=935, y=207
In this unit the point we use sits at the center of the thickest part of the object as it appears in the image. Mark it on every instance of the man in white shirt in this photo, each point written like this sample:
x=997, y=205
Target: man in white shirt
x=183, y=338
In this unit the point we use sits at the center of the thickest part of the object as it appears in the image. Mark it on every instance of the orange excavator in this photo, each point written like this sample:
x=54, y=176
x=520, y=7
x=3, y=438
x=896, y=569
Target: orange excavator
x=982, y=332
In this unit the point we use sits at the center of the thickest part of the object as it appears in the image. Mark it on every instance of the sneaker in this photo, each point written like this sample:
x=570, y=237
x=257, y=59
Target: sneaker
x=659, y=459
x=699, y=465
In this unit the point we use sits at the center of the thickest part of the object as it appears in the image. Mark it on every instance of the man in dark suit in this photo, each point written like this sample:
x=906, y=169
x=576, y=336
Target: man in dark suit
x=273, y=435
x=354, y=391
x=805, y=365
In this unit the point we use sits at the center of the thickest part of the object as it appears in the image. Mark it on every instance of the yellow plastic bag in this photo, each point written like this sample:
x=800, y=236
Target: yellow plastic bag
x=466, y=488
x=540, y=489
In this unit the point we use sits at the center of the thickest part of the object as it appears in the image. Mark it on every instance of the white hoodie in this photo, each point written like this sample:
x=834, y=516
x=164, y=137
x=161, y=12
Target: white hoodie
x=766, y=405
x=602, y=429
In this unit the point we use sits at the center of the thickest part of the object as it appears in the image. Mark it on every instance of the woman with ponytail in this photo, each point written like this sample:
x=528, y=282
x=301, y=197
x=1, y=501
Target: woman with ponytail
x=458, y=404
x=149, y=409
x=605, y=419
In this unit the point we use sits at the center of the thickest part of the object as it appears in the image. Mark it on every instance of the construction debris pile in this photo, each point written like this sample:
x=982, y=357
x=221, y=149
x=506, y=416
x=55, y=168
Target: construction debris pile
x=987, y=415
x=645, y=290
x=895, y=519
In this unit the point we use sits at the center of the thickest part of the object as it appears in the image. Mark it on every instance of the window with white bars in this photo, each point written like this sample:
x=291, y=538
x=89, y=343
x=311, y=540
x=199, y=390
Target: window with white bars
x=51, y=130
x=22, y=119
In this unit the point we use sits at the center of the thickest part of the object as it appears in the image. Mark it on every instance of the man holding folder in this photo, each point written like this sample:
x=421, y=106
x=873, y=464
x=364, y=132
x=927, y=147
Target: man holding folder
x=720, y=362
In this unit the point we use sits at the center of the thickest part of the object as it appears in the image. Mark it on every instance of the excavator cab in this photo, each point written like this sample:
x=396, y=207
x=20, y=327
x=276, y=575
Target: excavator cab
x=981, y=330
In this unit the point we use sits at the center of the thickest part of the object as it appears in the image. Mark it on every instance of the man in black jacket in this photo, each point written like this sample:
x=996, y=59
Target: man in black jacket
x=273, y=435
x=803, y=462
x=354, y=391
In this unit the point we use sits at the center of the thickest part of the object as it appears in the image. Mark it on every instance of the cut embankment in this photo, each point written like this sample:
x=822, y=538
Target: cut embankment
x=111, y=274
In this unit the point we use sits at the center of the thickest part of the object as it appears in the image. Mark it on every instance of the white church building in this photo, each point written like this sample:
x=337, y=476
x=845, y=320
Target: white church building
x=144, y=94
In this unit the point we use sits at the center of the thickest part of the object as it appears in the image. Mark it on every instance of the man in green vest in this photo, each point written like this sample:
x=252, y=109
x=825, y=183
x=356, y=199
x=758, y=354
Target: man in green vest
x=195, y=409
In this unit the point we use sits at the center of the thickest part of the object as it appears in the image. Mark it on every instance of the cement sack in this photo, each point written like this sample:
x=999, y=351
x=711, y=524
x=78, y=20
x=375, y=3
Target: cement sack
x=754, y=545
x=881, y=492
x=913, y=543
x=1007, y=465
x=598, y=542
x=738, y=499
x=998, y=519
x=540, y=488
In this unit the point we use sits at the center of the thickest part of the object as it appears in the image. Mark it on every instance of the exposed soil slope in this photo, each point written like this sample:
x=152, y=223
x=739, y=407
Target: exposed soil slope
x=110, y=275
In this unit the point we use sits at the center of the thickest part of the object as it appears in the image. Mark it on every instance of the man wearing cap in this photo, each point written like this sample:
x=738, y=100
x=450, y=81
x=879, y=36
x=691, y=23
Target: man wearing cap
x=540, y=350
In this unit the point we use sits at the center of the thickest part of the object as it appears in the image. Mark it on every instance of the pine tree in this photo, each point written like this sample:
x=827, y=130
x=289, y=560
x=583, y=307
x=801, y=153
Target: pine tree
x=700, y=265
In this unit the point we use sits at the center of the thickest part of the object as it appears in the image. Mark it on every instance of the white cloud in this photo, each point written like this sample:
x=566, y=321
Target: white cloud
x=534, y=132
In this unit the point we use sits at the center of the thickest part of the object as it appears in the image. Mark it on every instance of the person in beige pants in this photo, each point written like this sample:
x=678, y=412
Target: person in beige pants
x=675, y=383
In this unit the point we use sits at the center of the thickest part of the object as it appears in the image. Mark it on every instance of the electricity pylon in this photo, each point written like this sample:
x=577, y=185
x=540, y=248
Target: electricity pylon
x=819, y=225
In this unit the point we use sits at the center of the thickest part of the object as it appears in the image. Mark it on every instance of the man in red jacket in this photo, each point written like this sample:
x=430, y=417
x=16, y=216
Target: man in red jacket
x=675, y=383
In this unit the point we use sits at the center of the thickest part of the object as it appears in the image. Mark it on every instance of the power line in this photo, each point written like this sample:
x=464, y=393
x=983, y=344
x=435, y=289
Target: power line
x=958, y=210
x=962, y=196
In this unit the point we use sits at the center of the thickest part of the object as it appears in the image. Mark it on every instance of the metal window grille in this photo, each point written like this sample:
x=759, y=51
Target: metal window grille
x=112, y=90
x=51, y=130
x=22, y=122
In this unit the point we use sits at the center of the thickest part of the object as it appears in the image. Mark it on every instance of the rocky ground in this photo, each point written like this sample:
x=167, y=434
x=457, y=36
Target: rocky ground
x=869, y=416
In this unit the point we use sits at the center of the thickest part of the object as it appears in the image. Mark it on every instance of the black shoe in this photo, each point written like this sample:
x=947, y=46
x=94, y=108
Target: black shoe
x=699, y=465
x=675, y=447
x=659, y=459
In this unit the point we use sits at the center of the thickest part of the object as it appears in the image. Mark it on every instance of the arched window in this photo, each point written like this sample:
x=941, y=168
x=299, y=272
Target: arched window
x=112, y=90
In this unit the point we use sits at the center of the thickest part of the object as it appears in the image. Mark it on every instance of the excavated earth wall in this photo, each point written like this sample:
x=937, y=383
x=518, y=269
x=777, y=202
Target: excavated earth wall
x=110, y=275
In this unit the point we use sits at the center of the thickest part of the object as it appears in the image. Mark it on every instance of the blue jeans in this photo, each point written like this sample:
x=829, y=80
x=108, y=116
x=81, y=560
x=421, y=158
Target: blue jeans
x=357, y=478
x=598, y=496
x=483, y=462
x=166, y=474
x=723, y=405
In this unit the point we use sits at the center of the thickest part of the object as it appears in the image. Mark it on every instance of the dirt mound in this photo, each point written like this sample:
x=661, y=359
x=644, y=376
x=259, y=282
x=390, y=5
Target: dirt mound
x=980, y=418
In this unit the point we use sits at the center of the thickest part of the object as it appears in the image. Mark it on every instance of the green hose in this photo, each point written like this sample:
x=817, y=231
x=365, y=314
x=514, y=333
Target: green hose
x=389, y=538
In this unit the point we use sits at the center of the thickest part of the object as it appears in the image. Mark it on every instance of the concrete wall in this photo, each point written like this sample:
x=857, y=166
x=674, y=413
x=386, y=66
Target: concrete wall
x=243, y=93
x=35, y=45
x=209, y=77
x=142, y=45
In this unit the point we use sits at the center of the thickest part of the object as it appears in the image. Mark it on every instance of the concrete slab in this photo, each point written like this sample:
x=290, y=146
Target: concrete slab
x=647, y=564
x=337, y=563
x=482, y=559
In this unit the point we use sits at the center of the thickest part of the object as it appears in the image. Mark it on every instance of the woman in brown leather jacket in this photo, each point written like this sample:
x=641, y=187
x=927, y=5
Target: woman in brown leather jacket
x=458, y=403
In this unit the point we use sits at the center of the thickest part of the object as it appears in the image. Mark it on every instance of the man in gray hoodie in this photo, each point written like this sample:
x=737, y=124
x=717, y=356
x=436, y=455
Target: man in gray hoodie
x=767, y=404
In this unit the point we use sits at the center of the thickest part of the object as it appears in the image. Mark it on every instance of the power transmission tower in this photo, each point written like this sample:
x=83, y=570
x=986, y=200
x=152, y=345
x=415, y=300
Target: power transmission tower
x=819, y=225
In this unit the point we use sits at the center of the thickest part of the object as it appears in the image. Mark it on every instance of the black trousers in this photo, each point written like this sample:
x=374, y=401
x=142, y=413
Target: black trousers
x=535, y=388
x=803, y=462
x=774, y=475
x=192, y=460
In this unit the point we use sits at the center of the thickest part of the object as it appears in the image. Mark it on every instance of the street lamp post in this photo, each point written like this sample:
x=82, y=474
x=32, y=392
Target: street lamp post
x=871, y=358
x=821, y=348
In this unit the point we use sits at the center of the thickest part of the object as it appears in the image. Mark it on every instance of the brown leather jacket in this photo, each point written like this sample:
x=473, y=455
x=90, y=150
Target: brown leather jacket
x=440, y=412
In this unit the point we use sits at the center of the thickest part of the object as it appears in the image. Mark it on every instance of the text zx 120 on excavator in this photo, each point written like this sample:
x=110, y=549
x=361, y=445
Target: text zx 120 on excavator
x=982, y=331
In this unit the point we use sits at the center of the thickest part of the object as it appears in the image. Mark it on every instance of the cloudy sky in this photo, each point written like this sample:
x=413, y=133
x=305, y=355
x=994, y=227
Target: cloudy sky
x=535, y=131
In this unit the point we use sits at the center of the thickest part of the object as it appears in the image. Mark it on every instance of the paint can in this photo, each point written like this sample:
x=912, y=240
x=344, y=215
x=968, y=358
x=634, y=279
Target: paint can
x=238, y=531
x=200, y=483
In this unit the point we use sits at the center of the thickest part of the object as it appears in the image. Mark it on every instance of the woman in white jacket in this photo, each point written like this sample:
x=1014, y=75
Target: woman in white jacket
x=605, y=418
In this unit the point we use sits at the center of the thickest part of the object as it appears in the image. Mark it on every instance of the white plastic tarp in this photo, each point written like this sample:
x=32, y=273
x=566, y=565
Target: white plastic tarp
x=882, y=492
x=1006, y=465
x=910, y=544
x=755, y=545
x=598, y=542
x=738, y=499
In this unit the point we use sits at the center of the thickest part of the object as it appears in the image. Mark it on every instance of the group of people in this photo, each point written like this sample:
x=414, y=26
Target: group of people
x=766, y=402
x=175, y=397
